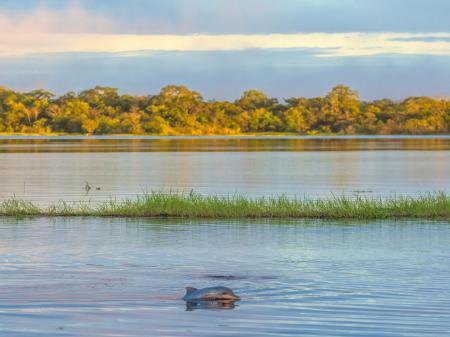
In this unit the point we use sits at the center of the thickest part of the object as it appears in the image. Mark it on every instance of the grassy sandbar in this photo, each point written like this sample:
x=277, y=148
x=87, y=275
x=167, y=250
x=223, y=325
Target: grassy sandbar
x=193, y=205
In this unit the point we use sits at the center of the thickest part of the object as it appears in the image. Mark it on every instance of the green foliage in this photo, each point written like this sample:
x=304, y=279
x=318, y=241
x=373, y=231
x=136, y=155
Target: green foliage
x=193, y=205
x=176, y=110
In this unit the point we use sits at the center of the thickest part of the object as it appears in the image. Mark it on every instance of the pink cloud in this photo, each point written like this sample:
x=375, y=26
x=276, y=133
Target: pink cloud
x=72, y=19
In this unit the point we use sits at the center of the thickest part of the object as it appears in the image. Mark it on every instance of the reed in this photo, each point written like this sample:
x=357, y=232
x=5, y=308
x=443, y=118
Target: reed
x=194, y=205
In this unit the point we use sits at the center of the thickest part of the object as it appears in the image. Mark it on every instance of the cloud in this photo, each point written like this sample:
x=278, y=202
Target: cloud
x=74, y=29
x=256, y=16
x=72, y=19
x=327, y=45
x=225, y=75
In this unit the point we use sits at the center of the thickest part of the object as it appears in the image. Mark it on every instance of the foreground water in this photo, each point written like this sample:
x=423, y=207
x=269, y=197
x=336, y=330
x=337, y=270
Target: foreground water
x=118, y=277
x=49, y=169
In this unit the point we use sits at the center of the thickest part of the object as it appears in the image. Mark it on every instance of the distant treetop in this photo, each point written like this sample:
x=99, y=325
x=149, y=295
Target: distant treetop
x=176, y=110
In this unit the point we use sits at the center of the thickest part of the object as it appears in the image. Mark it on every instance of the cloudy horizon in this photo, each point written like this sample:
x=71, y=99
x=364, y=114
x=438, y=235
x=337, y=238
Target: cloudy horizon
x=221, y=48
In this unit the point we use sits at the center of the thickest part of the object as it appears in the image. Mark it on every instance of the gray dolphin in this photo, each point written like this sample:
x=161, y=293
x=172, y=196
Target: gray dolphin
x=210, y=294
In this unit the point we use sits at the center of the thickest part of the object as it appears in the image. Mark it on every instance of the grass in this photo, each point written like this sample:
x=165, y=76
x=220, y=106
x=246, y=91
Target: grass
x=193, y=205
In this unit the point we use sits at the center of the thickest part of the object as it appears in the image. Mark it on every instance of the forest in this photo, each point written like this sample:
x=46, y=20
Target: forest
x=176, y=110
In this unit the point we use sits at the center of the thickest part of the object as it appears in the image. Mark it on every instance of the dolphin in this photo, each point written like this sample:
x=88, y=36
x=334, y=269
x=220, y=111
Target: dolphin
x=210, y=294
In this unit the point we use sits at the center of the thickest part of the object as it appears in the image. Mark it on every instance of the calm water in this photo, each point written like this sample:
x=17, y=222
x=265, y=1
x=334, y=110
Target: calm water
x=104, y=277
x=45, y=170
x=117, y=277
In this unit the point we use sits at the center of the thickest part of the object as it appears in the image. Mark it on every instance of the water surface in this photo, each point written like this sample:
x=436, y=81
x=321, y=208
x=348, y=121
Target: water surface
x=117, y=277
x=49, y=169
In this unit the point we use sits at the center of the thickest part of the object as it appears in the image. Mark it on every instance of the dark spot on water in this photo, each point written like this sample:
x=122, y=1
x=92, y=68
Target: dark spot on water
x=131, y=265
x=267, y=278
x=225, y=277
x=238, y=277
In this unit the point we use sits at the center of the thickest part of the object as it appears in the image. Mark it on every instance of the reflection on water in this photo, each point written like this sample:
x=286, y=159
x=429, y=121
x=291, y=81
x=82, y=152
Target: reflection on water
x=210, y=305
x=45, y=170
x=218, y=144
x=118, y=277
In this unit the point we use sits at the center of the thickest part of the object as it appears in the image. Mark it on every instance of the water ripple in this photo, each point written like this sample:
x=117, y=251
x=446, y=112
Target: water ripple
x=106, y=277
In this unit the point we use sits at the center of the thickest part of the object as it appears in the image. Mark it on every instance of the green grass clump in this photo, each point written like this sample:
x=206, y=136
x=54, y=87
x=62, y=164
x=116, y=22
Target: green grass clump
x=194, y=205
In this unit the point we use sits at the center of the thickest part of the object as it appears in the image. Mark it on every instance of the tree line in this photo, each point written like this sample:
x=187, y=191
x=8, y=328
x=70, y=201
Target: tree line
x=176, y=110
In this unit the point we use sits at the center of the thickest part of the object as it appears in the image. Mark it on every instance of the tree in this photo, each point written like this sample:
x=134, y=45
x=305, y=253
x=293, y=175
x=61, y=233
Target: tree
x=341, y=108
x=263, y=120
x=177, y=110
x=254, y=99
x=179, y=106
x=295, y=120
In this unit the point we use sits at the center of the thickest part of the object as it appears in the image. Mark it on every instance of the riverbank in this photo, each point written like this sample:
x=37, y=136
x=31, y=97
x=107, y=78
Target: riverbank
x=155, y=135
x=193, y=205
x=250, y=136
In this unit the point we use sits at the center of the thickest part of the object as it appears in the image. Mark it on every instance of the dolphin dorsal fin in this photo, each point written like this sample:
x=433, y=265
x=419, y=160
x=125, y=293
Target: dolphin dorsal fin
x=190, y=290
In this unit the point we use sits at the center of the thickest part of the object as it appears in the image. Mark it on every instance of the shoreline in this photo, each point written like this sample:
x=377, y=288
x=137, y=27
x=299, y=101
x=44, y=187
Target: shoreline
x=19, y=136
x=162, y=205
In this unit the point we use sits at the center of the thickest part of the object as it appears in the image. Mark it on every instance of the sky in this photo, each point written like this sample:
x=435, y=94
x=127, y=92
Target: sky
x=287, y=48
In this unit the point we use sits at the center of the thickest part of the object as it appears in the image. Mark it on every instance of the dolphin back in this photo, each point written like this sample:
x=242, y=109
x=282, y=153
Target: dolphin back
x=189, y=293
x=213, y=293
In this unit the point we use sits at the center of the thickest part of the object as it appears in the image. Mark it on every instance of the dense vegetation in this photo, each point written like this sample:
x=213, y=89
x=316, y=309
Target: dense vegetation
x=193, y=205
x=176, y=110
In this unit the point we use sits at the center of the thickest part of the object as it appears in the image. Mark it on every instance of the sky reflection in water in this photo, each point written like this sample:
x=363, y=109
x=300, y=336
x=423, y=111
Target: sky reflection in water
x=49, y=170
x=99, y=277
